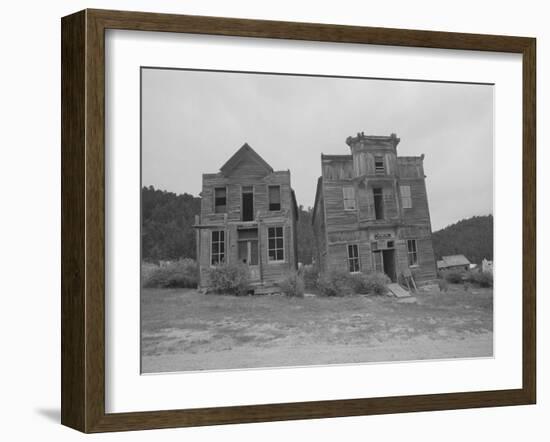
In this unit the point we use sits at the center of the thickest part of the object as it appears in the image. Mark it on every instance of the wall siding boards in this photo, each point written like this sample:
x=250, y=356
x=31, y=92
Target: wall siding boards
x=244, y=169
x=335, y=228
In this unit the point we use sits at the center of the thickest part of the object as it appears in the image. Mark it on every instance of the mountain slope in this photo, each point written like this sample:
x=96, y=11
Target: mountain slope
x=472, y=237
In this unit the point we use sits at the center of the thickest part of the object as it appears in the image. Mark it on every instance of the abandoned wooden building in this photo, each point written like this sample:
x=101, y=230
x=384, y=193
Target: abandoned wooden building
x=248, y=216
x=371, y=212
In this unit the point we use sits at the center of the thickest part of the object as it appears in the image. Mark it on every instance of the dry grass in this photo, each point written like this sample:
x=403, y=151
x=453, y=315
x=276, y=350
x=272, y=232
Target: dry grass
x=184, y=322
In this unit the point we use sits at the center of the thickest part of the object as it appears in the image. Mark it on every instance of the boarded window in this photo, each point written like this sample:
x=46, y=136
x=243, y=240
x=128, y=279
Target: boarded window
x=378, y=203
x=353, y=258
x=220, y=200
x=217, y=251
x=406, y=200
x=275, y=246
x=349, y=198
x=379, y=168
x=274, y=198
x=412, y=252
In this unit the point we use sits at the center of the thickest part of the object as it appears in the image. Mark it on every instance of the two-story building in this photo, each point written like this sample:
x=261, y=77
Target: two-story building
x=371, y=211
x=248, y=216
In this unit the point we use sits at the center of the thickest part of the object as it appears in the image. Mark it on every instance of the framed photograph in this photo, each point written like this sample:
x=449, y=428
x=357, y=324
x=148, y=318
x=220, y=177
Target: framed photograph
x=268, y=220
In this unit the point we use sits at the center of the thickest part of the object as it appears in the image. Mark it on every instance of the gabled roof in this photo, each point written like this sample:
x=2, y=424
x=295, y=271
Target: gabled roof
x=245, y=153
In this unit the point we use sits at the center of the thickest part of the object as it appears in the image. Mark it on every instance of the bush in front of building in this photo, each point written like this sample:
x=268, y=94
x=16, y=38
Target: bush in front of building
x=483, y=279
x=310, y=274
x=453, y=276
x=335, y=283
x=370, y=283
x=232, y=279
x=179, y=274
x=293, y=285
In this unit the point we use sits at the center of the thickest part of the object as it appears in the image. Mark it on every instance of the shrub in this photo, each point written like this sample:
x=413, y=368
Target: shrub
x=180, y=274
x=293, y=285
x=371, y=283
x=483, y=279
x=453, y=276
x=232, y=279
x=310, y=275
x=335, y=283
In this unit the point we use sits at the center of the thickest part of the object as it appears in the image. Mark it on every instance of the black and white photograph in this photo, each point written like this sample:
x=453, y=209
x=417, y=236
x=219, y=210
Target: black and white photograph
x=303, y=220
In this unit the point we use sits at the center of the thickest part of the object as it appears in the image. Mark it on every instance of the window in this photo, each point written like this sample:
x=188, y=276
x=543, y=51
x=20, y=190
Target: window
x=274, y=193
x=353, y=258
x=220, y=199
x=247, y=203
x=349, y=198
x=406, y=200
x=379, y=168
x=275, y=246
x=218, y=247
x=412, y=252
x=378, y=203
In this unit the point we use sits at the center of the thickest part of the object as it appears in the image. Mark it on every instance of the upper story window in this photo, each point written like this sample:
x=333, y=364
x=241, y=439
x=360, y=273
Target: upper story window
x=378, y=203
x=349, y=198
x=406, y=200
x=220, y=200
x=247, y=207
x=274, y=193
x=379, y=167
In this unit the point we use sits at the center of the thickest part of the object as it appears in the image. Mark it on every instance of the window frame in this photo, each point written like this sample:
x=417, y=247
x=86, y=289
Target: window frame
x=413, y=253
x=225, y=205
x=219, y=254
x=378, y=171
x=275, y=238
x=354, y=259
x=269, y=186
x=405, y=198
x=354, y=199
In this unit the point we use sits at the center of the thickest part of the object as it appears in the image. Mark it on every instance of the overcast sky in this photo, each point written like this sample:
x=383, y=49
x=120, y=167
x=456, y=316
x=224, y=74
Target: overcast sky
x=193, y=121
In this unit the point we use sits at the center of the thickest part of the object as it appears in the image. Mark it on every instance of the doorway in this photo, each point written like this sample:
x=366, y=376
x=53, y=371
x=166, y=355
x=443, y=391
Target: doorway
x=248, y=203
x=248, y=251
x=384, y=262
x=388, y=259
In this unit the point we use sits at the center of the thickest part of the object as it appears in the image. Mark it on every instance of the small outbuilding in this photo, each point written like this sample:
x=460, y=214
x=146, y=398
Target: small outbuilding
x=453, y=262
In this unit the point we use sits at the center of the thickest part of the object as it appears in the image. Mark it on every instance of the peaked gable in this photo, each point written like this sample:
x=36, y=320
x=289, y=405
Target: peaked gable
x=246, y=155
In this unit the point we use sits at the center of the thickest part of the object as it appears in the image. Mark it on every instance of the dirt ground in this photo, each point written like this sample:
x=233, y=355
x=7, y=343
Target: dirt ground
x=184, y=330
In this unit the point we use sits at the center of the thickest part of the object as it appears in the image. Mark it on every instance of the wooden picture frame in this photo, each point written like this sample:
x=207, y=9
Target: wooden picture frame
x=83, y=220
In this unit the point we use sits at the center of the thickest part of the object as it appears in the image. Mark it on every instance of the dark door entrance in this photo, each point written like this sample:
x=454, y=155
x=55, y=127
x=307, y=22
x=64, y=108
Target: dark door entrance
x=248, y=203
x=388, y=258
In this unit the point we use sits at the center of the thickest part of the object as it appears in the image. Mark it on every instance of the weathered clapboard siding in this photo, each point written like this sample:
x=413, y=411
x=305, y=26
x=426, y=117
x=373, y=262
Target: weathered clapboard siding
x=373, y=164
x=247, y=169
x=426, y=269
x=319, y=227
x=337, y=218
x=419, y=212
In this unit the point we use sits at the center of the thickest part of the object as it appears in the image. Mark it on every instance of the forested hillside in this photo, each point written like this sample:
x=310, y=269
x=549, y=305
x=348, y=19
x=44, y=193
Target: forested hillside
x=167, y=226
x=472, y=237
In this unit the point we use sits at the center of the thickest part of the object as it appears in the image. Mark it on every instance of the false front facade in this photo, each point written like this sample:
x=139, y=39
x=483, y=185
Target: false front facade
x=248, y=217
x=371, y=212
